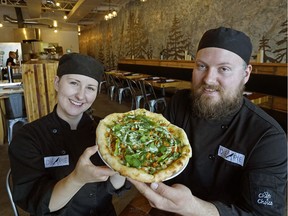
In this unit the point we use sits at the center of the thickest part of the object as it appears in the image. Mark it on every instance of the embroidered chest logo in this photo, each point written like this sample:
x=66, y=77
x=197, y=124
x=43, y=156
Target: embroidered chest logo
x=231, y=156
x=56, y=161
x=265, y=198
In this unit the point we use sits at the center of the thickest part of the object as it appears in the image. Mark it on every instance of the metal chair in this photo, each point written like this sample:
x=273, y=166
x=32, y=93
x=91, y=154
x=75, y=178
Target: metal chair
x=109, y=85
x=136, y=93
x=103, y=82
x=9, y=191
x=15, y=113
x=121, y=88
x=150, y=98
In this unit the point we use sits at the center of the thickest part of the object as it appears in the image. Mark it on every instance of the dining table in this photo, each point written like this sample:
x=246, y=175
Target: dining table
x=128, y=75
x=164, y=83
x=257, y=98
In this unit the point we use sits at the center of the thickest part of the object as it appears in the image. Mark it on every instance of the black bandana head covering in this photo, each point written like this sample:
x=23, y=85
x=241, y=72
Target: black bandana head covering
x=229, y=39
x=75, y=63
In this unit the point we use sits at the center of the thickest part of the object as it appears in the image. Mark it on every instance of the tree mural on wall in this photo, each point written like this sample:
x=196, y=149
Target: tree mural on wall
x=157, y=16
x=263, y=44
x=101, y=56
x=177, y=43
x=137, y=43
x=281, y=53
x=121, y=43
x=110, y=57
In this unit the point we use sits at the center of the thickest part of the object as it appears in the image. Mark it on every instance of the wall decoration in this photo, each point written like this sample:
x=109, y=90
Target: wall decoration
x=169, y=29
x=281, y=50
x=177, y=43
x=137, y=43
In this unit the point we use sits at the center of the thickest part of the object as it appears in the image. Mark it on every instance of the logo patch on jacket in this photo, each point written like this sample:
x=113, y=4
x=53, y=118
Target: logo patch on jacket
x=264, y=198
x=231, y=156
x=56, y=161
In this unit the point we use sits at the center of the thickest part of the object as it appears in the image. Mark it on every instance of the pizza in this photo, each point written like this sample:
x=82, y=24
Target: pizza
x=142, y=145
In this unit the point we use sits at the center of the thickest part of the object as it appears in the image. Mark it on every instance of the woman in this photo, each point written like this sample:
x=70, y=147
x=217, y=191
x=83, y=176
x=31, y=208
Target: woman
x=53, y=162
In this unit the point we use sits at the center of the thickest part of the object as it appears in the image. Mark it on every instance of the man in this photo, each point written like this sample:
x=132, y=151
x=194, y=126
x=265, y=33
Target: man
x=239, y=157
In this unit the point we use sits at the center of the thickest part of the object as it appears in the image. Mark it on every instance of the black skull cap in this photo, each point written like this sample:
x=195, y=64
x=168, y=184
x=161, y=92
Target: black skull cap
x=76, y=63
x=229, y=39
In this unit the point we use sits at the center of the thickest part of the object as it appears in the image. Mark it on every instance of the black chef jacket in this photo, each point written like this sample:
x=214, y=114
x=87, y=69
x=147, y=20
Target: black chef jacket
x=45, y=151
x=11, y=60
x=238, y=163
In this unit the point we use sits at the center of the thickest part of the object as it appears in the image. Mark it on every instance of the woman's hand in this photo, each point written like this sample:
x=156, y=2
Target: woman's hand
x=86, y=172
x=177, y=198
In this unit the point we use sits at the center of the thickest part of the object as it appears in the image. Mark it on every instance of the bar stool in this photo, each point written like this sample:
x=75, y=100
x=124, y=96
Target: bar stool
x=15, y=113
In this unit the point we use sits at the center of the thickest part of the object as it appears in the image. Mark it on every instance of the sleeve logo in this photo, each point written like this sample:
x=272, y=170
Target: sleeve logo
x=264, y=198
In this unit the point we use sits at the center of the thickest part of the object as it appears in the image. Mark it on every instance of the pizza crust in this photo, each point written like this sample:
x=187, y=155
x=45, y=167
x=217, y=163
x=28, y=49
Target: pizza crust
x=116, y=164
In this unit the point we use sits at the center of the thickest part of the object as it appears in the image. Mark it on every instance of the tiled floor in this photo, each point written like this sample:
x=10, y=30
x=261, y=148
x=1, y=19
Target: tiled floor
x=102, y=107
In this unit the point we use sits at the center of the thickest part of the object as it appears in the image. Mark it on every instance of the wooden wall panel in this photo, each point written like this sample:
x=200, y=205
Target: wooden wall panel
x=39, y=92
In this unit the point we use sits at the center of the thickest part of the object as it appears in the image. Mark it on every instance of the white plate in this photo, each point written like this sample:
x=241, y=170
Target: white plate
x=104, y=160
x=155, y=78
x=173, y=176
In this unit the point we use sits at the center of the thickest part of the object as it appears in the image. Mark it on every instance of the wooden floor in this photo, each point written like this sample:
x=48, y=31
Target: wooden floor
x=101, y=107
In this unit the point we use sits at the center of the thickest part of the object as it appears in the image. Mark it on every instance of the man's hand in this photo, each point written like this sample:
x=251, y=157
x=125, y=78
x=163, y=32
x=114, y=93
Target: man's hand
x=177, y=199
x=117, y=181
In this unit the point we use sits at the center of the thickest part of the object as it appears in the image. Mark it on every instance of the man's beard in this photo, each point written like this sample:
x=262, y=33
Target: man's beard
x=204, y=107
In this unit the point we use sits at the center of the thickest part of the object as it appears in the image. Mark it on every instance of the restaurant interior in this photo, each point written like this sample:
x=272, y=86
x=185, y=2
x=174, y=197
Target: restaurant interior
x=153, y=42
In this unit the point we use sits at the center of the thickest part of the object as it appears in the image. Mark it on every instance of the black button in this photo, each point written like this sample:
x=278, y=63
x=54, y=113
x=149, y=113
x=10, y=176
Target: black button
x=63, y=152
x=91, y=194
x=54, y=131
x=211, y=157
x=224, y=126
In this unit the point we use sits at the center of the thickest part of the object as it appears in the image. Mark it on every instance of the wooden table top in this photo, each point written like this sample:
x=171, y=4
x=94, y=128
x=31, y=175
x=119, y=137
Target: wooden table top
x=128, y=75
x=139, y=206
x=257, y=98
x=168, y=83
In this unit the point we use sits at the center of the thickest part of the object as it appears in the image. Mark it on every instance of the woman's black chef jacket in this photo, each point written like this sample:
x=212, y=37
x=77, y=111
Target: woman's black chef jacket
x=238, y=163
x=50, y=140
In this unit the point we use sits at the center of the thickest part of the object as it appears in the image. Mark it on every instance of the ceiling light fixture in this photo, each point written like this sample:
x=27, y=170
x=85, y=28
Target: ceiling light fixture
x=1, y=25
x=55, y=23
x=111, y=14
x=143, y=0
x=79, y=30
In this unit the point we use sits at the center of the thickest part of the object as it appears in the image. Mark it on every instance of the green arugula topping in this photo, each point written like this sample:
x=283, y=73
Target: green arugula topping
x=143, y=143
